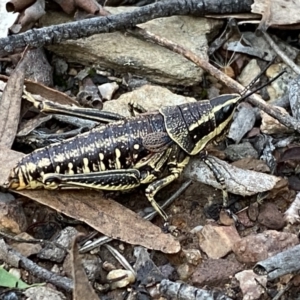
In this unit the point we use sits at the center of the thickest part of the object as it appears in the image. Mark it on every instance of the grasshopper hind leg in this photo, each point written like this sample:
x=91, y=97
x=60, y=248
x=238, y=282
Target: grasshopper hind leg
x=175, y=169
x=112, y=180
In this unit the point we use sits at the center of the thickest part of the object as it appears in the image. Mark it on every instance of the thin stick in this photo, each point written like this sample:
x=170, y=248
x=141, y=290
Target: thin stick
x=254, y=99
x=280, y=53
x=10, y=255
x=84, y=28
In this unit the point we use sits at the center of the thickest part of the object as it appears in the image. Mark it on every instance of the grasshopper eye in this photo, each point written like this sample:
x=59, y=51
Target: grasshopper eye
x=228, y=108
x=224, y=114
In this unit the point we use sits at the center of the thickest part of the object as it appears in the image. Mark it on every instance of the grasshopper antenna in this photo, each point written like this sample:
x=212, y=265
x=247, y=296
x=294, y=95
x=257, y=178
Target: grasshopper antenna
x=260, y=87
x=248, y=87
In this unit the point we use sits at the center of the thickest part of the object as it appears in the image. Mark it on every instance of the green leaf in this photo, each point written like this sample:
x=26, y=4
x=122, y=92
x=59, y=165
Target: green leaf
x=9, y=280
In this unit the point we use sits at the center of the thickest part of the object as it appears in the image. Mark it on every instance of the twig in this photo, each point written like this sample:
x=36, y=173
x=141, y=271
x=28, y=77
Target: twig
x=9, y=255
x=283, y=291
x=254, y=99
x=282, y=55
x=75, y=30
x=283, y=263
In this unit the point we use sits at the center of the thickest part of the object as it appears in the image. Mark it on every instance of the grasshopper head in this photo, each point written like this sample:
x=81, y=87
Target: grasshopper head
x=223, y=108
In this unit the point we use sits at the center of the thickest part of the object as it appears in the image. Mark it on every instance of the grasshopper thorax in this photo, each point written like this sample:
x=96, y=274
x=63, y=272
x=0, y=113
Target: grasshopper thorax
x=193, y=125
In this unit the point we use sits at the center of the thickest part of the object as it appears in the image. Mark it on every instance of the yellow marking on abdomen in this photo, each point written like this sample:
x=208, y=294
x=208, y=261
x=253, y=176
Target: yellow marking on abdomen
x=85, y=167
x=118, y=162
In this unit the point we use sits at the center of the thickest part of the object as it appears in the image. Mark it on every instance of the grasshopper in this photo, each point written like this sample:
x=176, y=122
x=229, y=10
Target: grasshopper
x=150, y=148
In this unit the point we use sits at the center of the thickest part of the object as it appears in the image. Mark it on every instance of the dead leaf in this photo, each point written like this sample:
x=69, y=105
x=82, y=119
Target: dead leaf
x=10, y=105
x=89, y=6
x=28, y=17
x=106, y=216
x=46, y=92
x=7, y=19
x=8, y=159
x=290, y=154
x=29, y=125
x=18, y=5
x=238, y=181
x=276, y=12
x=82, y=288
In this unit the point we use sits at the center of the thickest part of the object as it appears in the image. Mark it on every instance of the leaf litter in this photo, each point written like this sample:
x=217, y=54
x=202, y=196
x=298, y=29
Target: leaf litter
x=109, y=217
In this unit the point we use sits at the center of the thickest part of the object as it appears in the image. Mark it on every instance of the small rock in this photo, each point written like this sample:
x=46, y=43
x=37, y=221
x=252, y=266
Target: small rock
x=108, y=266
x=16, y=272
x=193, y=256
x=60, y=65
x=243, y=150
x=253, y=211
x=10, y=296
x=251, y=289
x=149, y=96
x=244, y=219
x=225, y=219
x=65, y=239
x=280, y=86
x=43, y=292
x=296, y=280
x=196, y=229
x=184, y=271
x=113, y=275
x=26, y=249
x=251, y=70
x=12, y=216
x=254, y=248
x=55, y=269
x=272, y=126
x=271, y=217
x=72, y=72
x=107, y=90
x=294, y=97
x=291, y=215
x=90, y=263
x=92, y=267
x=217, y=241
x=40, y=70
x=243, y=122
x=213, y=92
x=118, y=51
x=167, y=270
x=215, y=272
x=253, y=132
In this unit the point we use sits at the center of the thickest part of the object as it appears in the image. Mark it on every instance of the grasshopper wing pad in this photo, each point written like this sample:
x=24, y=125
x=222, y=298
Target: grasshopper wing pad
x=186, y=124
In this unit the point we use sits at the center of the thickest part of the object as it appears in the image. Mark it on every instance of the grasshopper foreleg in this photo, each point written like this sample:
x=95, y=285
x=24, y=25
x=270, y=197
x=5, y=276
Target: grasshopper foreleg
x=218, y=176
x=175, y=169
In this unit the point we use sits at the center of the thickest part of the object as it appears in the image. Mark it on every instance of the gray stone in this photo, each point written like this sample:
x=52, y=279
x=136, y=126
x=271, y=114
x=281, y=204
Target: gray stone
x=127, y=54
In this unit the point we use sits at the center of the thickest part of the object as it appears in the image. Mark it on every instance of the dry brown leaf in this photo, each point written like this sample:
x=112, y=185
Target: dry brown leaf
x=82, y=288
x=89, y=6
x=18, y=5
x=8, y=159
x=10, y=105
x=104, y=215
x=46, y=92
x=28, y=17
x=276, y=12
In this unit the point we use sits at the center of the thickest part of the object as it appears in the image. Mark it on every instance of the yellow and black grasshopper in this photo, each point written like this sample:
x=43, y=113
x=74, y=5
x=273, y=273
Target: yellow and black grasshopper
x=127, y=153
